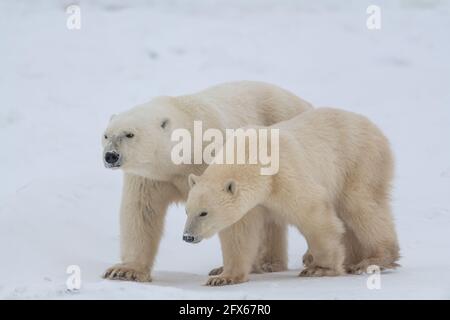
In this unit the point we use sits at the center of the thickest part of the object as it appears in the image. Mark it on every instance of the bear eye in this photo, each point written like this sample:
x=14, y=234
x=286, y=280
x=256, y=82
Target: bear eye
x=106, y=137
x=129, y=135
x=164, y=123
x=203, y=214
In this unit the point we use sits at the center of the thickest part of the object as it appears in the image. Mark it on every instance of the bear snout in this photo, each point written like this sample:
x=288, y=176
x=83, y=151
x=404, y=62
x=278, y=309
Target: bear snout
x=112, y=158
x=190, y=238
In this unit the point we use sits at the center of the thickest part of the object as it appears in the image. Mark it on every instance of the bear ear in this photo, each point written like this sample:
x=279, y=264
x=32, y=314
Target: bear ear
x=192, y=180
x=231, y=187
x=112, y=117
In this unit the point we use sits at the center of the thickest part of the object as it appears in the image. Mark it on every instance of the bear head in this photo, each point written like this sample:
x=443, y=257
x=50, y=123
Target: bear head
x=221, y=197
x=139, y=141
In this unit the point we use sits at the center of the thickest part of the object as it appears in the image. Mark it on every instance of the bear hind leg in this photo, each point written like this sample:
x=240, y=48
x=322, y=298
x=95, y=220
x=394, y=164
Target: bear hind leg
x=373, y=228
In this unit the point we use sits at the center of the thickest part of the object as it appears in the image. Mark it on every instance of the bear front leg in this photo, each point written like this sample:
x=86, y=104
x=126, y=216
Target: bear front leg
x=323, y=231
x=143, y=209
x=273, y=250
x=240, y=243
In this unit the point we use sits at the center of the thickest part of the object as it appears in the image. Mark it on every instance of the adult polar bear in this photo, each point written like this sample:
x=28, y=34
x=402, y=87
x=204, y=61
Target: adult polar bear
x=139, y=142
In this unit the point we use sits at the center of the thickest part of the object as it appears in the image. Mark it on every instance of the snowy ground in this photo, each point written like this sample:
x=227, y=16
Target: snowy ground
x=59, y=206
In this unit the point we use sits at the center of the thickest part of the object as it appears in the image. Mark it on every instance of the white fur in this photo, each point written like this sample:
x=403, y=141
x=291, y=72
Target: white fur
x=333, y=184
x=152, y=181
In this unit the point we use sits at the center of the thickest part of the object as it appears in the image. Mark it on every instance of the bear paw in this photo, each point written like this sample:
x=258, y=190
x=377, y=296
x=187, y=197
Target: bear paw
x=127, y=272
x=319, y=272
x=224, y=280
x=216, y=271
x=363, y=266
x=355, y=269
x=272, y=267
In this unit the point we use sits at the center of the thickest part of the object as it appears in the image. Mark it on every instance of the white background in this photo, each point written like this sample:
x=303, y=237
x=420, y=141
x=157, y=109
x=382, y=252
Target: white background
x=58, y=88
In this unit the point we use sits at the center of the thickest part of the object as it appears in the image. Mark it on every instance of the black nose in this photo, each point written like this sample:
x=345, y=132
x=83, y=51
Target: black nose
x=188, y=238
x=111, y=157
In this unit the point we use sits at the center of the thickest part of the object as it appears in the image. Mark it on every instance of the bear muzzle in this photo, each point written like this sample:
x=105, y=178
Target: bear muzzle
x=191, y=238
x=112, y=159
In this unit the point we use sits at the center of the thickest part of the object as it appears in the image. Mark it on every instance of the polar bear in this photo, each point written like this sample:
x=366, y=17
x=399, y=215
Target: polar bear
x=139, y=142
x=333, y=184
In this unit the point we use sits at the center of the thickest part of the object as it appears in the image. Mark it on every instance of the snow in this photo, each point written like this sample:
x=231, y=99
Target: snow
x=58, y=88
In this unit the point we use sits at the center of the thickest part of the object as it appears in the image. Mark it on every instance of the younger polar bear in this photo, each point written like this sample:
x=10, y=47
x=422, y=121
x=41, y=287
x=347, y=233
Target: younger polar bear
x=333, y=184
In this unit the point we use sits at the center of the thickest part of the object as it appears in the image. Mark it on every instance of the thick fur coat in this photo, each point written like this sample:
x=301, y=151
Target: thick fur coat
x=333, y=184
x=139, y=142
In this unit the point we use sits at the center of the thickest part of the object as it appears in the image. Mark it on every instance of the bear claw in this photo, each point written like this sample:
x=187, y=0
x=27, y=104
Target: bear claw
x=127, y=273
x=318, y=272
x=223, y=281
